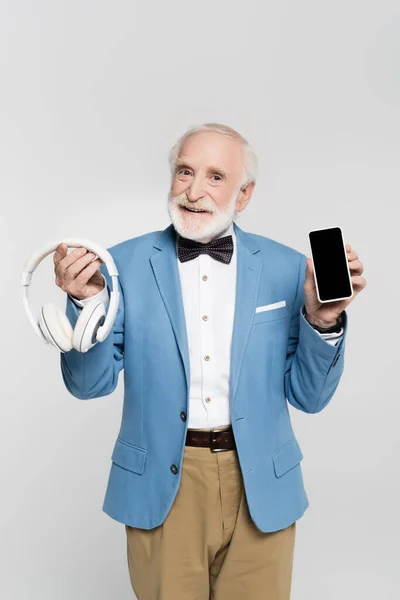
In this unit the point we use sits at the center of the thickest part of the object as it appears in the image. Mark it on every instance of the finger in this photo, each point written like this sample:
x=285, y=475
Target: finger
x=64, y=275
x=60, y=252
x=356, y=267
x=68, y=260
x=77, y=266
x=352, y=255
x=88, y=272
x=358, y=282
x=348, y=247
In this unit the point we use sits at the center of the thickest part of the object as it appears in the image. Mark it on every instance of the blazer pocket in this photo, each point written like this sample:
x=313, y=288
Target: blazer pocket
x=129, y=457
x=287, y=457
x=270, y=314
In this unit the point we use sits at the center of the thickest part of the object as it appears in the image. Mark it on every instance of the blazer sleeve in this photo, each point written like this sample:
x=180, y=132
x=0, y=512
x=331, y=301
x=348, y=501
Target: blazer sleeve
x=313, y=367
x=94, y=373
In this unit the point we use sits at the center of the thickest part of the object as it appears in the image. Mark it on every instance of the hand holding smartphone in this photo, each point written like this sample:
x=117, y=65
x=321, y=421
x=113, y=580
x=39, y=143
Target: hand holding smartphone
x=331, y=267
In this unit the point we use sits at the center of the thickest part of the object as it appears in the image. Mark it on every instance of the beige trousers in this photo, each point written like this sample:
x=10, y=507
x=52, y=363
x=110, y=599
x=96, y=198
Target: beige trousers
x=208, y=548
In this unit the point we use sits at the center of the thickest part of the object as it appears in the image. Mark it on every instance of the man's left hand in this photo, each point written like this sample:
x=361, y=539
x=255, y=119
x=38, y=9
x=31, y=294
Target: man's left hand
x=325, y=314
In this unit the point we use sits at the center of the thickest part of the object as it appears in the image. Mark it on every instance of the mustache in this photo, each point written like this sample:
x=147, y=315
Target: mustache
x=182, y=201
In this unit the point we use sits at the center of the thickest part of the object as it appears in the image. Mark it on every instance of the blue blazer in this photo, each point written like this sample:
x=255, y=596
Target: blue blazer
x=276, y=358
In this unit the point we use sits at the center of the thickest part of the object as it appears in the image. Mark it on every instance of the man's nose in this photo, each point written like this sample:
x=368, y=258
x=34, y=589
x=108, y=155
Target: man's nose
x=196, y=190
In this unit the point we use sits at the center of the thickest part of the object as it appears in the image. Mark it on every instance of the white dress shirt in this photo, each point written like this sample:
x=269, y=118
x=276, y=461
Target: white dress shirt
x=208, y=292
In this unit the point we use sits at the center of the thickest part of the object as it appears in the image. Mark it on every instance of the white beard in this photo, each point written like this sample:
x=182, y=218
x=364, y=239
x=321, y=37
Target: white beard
x=201, y=228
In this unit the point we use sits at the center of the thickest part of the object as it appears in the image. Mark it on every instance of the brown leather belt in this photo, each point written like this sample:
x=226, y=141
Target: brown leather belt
x=218, y=439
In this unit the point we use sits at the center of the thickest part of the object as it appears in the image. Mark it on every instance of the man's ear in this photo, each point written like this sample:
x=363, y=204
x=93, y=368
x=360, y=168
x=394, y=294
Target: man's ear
x=244, y=196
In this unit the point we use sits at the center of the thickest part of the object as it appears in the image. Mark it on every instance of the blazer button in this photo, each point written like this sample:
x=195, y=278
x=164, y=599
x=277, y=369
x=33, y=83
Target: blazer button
x=174, y=469
x=183, y=416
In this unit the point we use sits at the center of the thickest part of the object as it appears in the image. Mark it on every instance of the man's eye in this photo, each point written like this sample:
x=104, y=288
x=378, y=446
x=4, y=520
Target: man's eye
x=184, y=172
x=219, y=177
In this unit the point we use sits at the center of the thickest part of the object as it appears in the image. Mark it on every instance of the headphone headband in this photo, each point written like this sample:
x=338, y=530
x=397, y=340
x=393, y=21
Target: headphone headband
x=36, y=258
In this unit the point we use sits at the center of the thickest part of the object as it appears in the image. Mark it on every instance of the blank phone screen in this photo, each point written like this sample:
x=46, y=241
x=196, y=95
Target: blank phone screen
x=330, y=263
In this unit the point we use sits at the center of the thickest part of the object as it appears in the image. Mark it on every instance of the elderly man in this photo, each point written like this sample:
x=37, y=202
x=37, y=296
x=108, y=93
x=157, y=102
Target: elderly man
x=217, y=330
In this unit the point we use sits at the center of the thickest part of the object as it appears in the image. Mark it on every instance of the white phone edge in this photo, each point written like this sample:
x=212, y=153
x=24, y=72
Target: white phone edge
x=347, y=264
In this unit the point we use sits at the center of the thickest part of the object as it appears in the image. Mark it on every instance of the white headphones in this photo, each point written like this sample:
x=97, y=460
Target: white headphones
x=53, y=325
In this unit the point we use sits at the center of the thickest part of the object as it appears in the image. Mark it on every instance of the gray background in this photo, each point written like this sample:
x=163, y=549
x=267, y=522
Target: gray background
x=93, y=94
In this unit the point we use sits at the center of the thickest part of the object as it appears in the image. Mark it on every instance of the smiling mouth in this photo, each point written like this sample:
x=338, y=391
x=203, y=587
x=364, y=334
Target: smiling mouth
x=194, y=210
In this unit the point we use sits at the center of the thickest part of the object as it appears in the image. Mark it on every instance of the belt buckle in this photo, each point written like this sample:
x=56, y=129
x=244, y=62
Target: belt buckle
x=212, y=447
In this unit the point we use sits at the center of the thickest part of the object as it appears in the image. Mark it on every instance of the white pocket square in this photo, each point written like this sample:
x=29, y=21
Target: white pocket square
x=271, y=306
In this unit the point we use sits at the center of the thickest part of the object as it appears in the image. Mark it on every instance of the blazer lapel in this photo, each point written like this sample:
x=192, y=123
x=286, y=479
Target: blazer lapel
x=165, y=269
x=247, y=282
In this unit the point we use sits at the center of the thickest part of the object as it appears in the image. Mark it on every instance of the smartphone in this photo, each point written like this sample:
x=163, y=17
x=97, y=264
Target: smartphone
x=331, y=267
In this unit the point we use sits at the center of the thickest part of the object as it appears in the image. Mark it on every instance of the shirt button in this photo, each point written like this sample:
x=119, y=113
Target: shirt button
x=204, y=278
x=208, y=399
x=174, y=469
x=207, y=357
x=205, y=318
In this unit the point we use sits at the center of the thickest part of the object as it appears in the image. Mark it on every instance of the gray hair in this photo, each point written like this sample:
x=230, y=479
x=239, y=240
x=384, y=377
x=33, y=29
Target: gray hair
x=249, y=156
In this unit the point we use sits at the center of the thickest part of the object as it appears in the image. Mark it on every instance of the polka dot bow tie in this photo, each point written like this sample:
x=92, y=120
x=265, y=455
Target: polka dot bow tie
x=221, y=249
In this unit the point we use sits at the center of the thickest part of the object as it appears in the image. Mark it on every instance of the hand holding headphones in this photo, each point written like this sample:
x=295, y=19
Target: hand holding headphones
x=78, y=275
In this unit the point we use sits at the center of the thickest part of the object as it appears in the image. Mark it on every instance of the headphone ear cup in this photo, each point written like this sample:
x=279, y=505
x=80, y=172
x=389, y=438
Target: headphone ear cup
x=56, y=327
x=91, y=318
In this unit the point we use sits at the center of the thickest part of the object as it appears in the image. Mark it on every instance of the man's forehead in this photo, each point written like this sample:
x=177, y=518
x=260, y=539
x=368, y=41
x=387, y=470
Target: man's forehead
x=191, y=160
x=218, y=151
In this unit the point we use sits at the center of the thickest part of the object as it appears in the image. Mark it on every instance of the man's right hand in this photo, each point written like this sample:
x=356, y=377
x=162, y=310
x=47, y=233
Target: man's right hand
x=77, y=273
